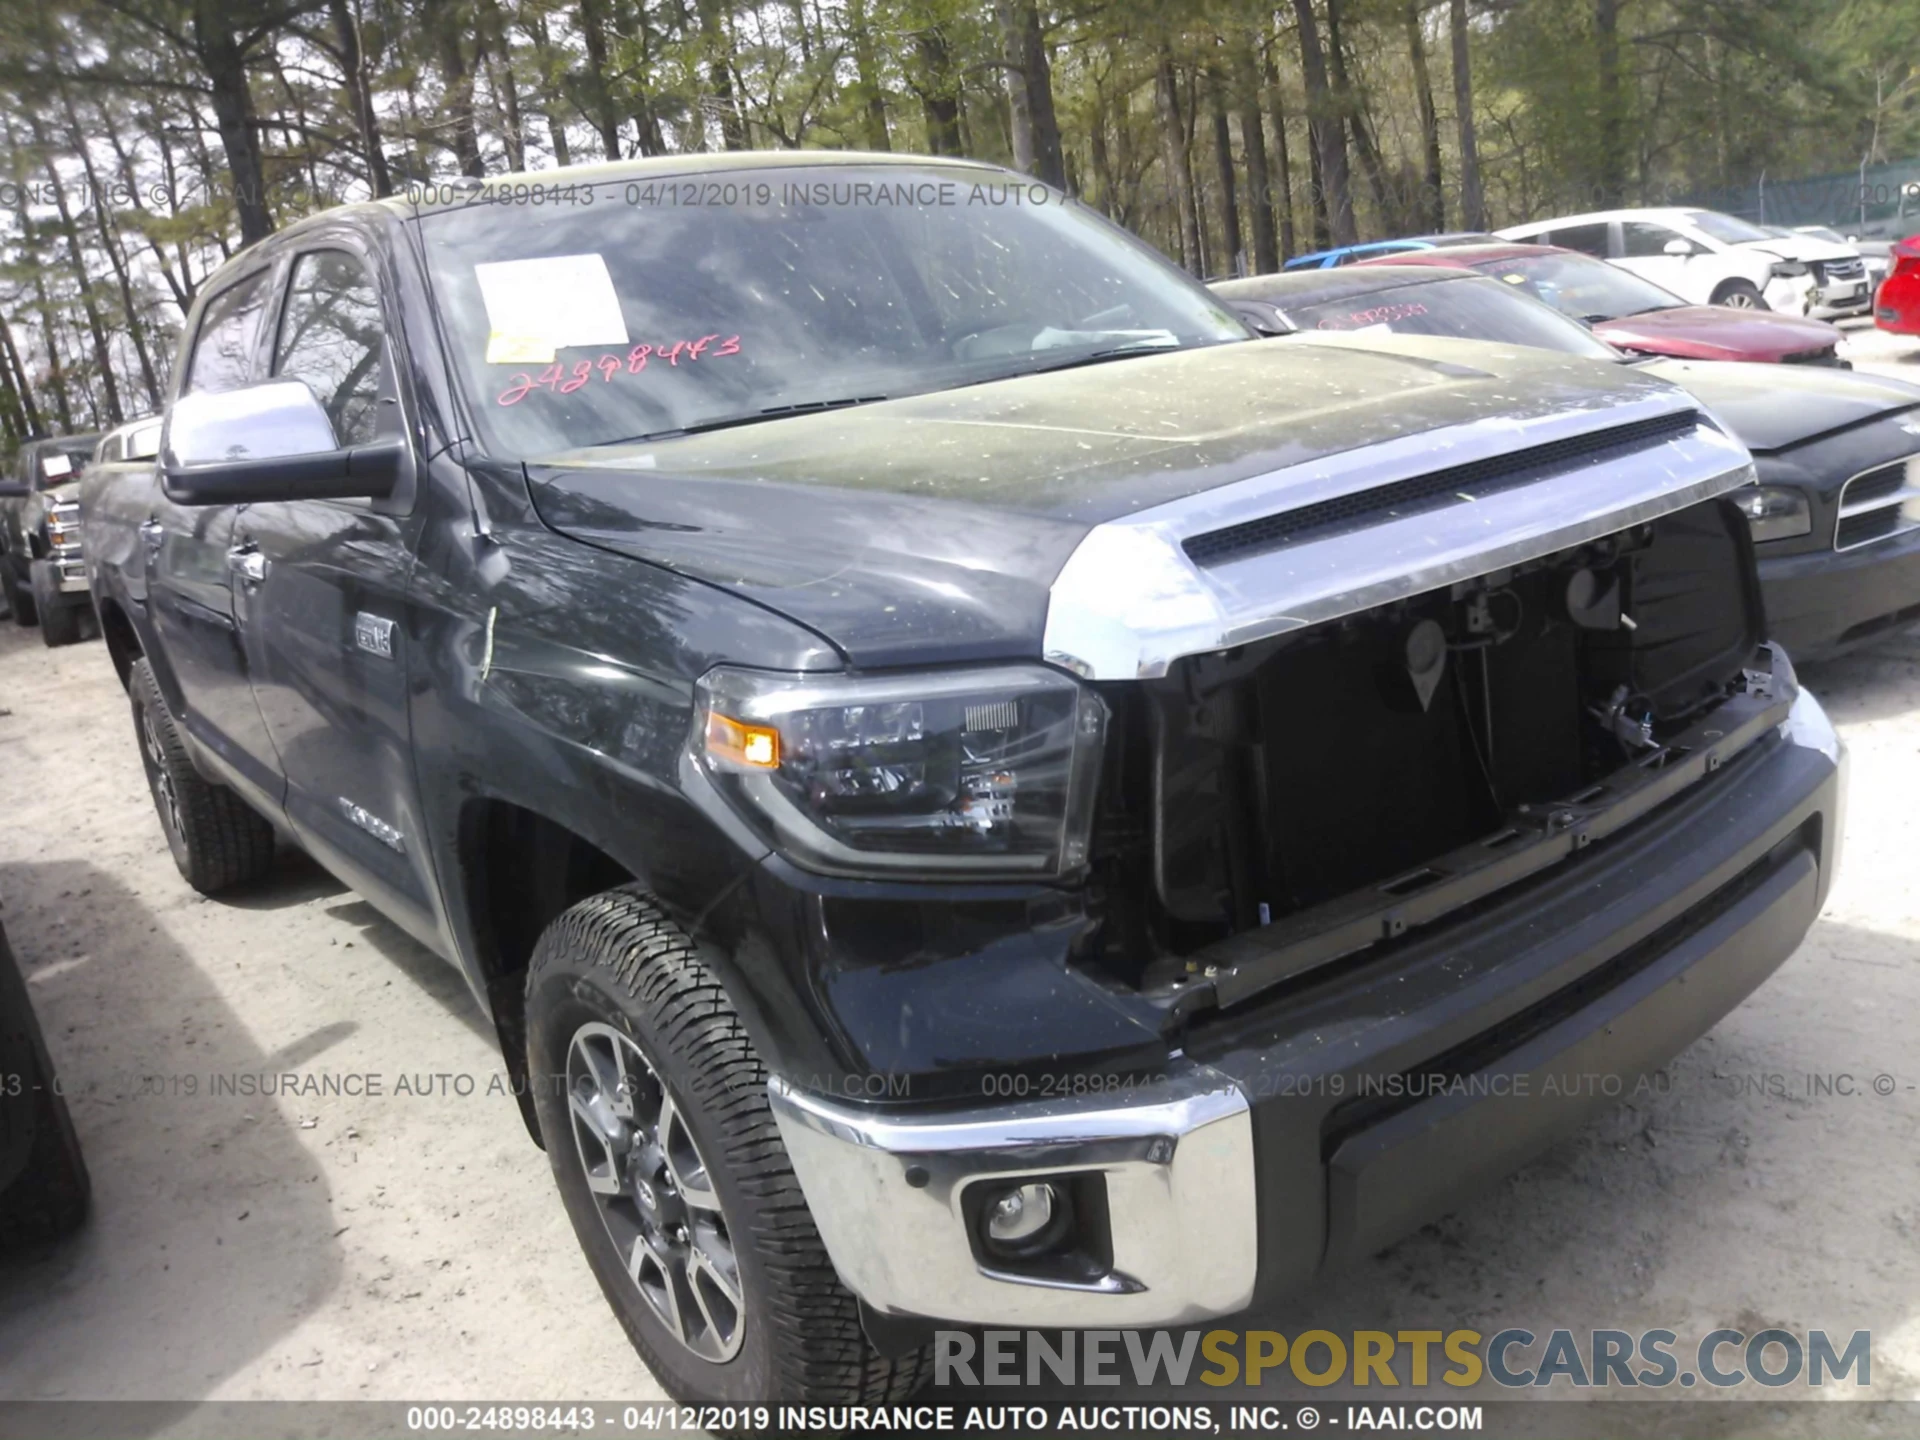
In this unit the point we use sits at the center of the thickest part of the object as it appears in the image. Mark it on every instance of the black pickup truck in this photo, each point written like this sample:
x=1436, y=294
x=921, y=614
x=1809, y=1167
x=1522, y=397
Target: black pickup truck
x=970, y=792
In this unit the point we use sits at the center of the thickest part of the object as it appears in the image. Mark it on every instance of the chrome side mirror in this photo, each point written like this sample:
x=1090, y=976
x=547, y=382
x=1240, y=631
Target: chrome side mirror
x=266, y=442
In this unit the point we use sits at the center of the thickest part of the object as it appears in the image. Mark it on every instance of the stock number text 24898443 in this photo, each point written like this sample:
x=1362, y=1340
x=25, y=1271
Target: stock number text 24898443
x=564, y=379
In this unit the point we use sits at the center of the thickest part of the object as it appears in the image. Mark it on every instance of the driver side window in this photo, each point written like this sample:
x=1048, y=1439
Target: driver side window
x=332, y=337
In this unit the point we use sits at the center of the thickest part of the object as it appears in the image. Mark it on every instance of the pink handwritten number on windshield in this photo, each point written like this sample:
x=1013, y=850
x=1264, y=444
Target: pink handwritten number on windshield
x=564, y=379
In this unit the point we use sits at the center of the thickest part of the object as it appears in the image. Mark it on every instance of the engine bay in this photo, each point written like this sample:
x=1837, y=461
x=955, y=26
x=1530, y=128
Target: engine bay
x=1270, y=808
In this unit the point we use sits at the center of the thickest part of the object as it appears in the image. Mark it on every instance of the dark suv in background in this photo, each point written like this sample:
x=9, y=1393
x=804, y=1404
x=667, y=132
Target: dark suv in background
x=41, y=573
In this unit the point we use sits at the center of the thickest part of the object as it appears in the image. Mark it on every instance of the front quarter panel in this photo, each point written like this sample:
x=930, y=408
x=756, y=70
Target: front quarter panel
x=559, y=678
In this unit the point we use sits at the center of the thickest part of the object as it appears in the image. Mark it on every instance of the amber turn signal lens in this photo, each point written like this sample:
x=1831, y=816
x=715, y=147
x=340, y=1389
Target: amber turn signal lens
x=755, y=746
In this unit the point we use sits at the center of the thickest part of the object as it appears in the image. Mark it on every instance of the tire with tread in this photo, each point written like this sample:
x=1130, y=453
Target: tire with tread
x=218, y=840
x=616, y=959
x=18, y=593
x=60, y=624
x=1740, y=295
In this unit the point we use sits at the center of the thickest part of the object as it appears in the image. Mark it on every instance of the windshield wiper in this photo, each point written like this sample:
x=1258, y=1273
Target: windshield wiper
x=729, y=422
x=1087, y=357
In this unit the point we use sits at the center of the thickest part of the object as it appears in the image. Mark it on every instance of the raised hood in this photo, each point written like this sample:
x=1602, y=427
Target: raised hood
x=1774, y=407
x=930, y=528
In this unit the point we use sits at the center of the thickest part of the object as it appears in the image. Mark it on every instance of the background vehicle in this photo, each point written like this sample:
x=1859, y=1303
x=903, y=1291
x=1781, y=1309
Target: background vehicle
x=1712, y=259
x=944, y=675
x=37, y=527
x=44, y=1187
x=1897, y=306
x=1873, y=253
x=1352, y=254
x=1835, y=519
x=1636, y=315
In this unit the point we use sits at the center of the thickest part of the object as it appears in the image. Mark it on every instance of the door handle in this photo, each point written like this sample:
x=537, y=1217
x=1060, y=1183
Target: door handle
x=248, y=563
x=150, y=531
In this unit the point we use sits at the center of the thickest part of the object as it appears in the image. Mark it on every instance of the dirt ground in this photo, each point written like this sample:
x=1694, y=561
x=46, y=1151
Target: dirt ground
x=408, y=1244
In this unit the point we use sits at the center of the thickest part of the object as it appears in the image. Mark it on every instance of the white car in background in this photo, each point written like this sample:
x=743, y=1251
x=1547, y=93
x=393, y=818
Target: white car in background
x=1713, y=259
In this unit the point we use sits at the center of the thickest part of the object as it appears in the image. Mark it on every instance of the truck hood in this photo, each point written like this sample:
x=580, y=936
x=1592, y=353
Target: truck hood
x=930, y=528
x=1718, y=332
x=1775, y=407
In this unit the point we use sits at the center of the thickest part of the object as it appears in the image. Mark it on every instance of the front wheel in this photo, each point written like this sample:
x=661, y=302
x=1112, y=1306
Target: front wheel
x=1740, y=295
x=653, y=1107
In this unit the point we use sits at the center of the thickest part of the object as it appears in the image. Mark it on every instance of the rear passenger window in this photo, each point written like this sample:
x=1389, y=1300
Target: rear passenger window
x=1587, y=239
x=223, y=349
x=330, y=337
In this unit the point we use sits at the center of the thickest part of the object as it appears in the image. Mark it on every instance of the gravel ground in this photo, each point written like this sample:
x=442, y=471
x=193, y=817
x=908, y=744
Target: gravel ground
x=408, y=1245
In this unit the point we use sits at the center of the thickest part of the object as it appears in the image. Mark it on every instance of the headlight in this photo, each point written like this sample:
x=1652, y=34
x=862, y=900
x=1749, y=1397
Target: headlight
x=1775, y=512
x=976, y=772
x=1786, y=269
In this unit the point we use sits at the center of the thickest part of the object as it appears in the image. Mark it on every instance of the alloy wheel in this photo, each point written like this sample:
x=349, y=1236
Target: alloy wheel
x=158, y=775
x=654, y=1192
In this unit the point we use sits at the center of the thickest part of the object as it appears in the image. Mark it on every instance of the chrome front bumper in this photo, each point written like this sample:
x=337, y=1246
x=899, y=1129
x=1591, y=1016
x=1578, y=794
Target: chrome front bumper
x=1176, y=1158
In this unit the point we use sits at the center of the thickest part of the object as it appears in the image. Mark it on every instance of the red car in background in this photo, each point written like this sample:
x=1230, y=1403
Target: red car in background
x=1897, y=306
x=1634, y=314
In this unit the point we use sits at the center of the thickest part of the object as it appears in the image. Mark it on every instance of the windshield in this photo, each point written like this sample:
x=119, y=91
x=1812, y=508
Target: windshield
x=642, y=308
x=1726, y=228
x=1581, y=287
x=61, y=463
x=1465, y=307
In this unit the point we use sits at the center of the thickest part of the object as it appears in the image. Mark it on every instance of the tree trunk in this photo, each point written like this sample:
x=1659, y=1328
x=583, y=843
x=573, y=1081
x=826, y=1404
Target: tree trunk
x=22, y=384
x=225, y=69
x=1173, y=140
x=1253, y=144
x=598, y=89
x=1432, y=208
x=1606, y=55
x=1333, y=191
x=630, y=24
x=939, y=91
x=1353, y=112
x=719, y=57
x=1473, y=205
x=1282, y=155
x=501, y=80
x=56, y=372
x=871, y=96
x=1035, y=126
x=89, y=306
x=366, y=123
x=456, y=76
x=1233, y=255
x=110, y=242
x=1099, y=158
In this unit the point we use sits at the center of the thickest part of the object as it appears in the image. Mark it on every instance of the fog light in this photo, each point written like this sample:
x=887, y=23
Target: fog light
x=1024, y=1219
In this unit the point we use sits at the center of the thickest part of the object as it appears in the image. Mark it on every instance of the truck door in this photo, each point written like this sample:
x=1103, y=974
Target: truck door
x=320, y=594
x=187, y=561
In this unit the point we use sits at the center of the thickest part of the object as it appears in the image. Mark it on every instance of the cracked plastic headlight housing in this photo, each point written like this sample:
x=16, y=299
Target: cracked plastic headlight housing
x=975, y=773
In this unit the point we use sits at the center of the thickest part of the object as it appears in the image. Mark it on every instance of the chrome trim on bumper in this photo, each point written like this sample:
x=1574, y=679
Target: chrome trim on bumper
x=1130, y=601
x=1176, y=1155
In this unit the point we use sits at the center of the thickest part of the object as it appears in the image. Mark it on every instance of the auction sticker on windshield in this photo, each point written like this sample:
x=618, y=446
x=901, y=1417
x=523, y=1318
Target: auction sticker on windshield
x=538, y=306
